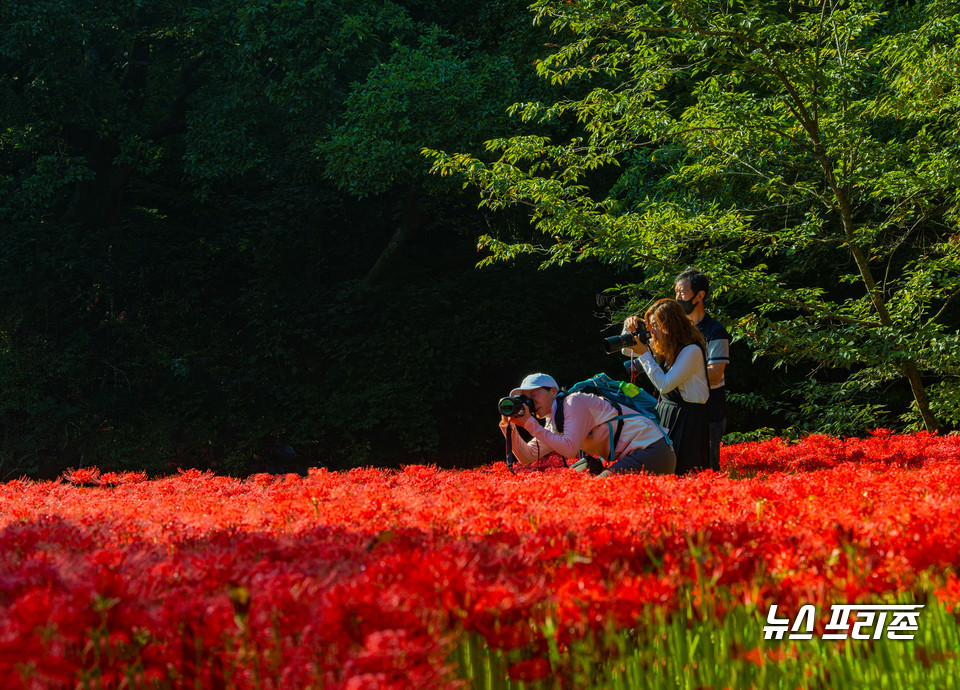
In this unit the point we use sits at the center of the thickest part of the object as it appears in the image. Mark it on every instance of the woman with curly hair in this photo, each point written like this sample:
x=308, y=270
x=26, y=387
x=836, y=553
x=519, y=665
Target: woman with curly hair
x=675, y=362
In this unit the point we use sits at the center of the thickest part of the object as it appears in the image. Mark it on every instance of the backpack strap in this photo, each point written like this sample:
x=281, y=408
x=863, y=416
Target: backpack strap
x=614, y=436
x=558, y=420
x=558, y=415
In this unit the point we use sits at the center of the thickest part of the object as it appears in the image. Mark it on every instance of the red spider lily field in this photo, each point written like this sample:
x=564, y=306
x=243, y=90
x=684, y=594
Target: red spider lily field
x=432, y=578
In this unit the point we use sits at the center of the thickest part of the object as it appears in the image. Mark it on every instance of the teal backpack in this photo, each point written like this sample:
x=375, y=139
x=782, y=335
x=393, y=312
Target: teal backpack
x=620, y=394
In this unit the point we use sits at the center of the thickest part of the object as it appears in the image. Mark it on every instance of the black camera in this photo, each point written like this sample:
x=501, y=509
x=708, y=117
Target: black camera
x=618, y=342
x=511, y=406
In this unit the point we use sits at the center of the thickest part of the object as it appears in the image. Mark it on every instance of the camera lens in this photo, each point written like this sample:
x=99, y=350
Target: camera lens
x=617, y=342
x=509, y=406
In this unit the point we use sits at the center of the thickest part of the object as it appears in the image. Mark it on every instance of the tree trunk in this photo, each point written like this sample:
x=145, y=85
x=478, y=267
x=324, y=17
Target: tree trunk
x=411, y=221
x=920, y=395
x=908, y=367
x=98, y=202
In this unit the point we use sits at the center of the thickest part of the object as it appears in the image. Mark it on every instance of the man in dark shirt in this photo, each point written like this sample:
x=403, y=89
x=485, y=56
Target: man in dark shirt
x=691, y=289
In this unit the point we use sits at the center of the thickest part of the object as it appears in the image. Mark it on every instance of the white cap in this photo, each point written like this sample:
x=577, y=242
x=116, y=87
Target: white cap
x=534, y=381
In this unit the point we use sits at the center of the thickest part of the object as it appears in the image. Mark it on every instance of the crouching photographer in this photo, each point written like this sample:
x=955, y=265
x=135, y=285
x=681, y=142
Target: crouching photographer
x=584, y=422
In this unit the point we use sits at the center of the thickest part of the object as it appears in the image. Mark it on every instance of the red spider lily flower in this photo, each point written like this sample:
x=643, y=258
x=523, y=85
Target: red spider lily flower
x=530, y=670
x=370, y=577
x=85, y=476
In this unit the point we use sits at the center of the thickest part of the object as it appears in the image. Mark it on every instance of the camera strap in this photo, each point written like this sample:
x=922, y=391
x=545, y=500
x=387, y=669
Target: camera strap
x=511, y=458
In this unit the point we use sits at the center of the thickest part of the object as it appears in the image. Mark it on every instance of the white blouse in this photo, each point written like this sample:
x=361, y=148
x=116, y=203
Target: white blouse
x=688, y=374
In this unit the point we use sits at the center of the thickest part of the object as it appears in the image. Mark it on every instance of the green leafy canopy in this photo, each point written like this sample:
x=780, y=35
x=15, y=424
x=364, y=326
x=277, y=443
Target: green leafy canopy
x=803, y=155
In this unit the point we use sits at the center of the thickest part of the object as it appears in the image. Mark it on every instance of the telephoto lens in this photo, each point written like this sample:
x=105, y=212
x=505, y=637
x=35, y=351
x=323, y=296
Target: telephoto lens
x=511, y=406
x=618, y=342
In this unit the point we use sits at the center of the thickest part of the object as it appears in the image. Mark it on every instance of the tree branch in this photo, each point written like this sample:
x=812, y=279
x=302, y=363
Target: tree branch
x=178, y=108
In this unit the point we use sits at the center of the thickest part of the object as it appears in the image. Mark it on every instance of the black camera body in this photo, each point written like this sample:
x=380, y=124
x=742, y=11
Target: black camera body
x=511, y=405
x=618, y=342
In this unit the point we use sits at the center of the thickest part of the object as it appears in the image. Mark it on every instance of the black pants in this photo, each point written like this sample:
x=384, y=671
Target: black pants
x=657, y=458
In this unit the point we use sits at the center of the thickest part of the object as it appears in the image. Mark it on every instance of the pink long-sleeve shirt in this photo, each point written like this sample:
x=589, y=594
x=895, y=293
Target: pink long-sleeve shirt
x=581, y=413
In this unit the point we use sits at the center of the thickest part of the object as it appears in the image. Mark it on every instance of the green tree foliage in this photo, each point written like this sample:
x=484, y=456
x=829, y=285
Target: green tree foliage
x=198, y=208
x=804, y=155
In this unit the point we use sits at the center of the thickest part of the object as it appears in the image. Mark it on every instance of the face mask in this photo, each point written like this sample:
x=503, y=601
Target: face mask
x=687, y=305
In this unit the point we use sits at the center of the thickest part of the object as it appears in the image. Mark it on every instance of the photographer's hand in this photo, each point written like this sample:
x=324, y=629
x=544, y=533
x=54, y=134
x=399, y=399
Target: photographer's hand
x=515, y=444
x=520, y=420
x=632, y=324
